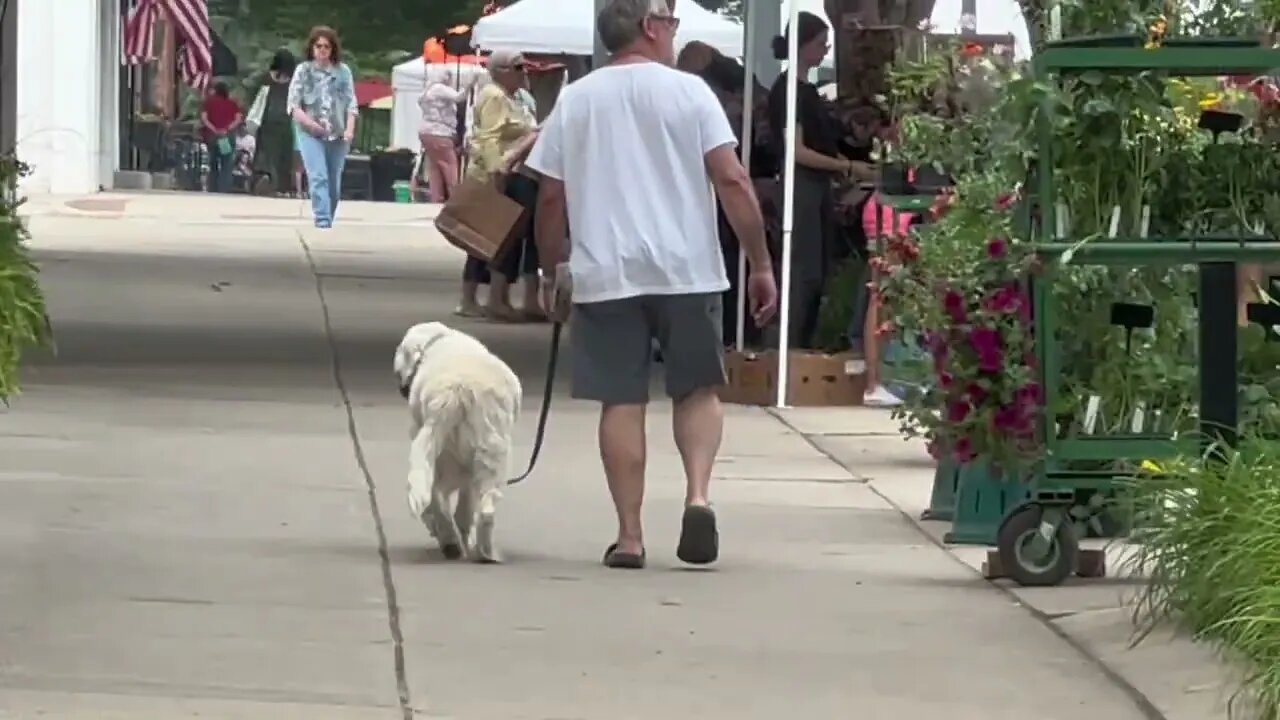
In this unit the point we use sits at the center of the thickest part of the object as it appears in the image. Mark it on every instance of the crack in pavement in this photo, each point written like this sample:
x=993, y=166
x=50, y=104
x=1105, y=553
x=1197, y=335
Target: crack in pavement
x=388, y=581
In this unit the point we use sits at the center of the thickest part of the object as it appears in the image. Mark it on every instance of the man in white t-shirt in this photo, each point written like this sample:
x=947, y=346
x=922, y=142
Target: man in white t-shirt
x=629, y=157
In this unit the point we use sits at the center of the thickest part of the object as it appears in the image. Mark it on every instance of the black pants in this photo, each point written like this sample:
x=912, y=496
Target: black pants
x=521, y=259
x=731, y=250
x=810, y=249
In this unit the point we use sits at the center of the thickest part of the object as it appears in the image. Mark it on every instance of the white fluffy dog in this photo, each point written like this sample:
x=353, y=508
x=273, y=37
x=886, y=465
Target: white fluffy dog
x=464, y=402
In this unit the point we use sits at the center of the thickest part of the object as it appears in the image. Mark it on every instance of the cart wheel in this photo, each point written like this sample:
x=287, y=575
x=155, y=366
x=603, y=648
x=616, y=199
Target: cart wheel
x=1017, y=555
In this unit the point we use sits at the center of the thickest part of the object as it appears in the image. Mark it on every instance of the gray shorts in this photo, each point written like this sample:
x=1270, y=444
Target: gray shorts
x=611, y=346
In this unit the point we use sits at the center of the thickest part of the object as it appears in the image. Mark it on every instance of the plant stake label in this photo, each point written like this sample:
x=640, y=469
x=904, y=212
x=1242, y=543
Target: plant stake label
x=1139, y=417
x=1146, y=221
x=1055, y=22
x=1060, y=219
x=1114, y=229
x=1091, y=409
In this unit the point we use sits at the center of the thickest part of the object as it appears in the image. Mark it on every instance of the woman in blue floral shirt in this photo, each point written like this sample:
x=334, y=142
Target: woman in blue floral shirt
x=322, y=101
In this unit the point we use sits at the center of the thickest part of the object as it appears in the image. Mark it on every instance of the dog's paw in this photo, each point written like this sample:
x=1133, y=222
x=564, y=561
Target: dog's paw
x=485, y=555
x=451, y=551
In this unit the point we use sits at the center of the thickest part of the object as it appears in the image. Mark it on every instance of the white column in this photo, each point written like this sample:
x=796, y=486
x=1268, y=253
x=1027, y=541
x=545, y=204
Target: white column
x=59, y=95
x=110, y=27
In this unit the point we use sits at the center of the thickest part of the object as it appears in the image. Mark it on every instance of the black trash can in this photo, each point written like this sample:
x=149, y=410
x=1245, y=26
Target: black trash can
x=386, y=169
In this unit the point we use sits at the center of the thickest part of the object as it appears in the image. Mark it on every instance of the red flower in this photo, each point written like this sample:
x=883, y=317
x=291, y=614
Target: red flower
x=1004, y=301
x=954, y=305
x=972, y=49
x=957, y=411
x=963, y=450
x=997, y=248
x=946, y=380
x=1007, y=201
x=1008, y=418
x=975, y=393
x=986, y=342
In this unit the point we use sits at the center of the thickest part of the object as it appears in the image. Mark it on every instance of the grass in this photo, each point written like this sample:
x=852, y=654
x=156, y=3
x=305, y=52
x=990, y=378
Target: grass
x=1209, y=542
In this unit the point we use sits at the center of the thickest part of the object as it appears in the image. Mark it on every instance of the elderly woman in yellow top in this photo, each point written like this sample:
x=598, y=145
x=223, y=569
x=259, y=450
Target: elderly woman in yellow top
x=502, y=133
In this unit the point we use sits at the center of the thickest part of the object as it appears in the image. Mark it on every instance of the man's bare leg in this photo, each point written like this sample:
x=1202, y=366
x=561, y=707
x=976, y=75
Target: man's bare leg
x=698, y=425
x=622, y=449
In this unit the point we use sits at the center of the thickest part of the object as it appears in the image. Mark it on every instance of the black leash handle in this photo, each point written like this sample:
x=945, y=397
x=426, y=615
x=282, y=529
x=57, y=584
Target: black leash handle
x=546, y=403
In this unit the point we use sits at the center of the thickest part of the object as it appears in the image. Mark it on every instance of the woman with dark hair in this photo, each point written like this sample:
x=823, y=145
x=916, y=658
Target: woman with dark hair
x=322, y=100
x=219, y=118
x=818, y=162
x=274, y=158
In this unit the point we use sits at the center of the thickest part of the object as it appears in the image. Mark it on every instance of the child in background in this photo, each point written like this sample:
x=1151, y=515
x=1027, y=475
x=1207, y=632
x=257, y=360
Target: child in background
x=877, y=222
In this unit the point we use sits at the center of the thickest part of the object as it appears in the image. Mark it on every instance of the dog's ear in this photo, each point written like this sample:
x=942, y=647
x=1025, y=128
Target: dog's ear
x=405, y=357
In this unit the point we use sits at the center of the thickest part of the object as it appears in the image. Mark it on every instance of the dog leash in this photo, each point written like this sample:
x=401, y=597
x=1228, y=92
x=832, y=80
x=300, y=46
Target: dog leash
x=546, y=403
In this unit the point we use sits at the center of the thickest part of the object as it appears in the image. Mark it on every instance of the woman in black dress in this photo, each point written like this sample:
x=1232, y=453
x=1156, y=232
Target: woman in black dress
x=818, y=162
x=273, y=158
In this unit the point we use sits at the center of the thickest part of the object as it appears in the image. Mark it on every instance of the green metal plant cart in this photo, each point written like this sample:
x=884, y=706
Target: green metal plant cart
x=1038, y=541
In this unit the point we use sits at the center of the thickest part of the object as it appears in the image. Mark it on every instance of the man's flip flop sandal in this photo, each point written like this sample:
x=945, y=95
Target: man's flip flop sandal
x=699, y=538
x=623, y=560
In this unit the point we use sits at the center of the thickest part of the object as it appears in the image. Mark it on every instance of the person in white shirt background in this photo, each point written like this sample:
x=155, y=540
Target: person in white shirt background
x=627, y=228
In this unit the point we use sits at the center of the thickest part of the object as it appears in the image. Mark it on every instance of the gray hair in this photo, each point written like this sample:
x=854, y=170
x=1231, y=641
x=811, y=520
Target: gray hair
x=619, y=24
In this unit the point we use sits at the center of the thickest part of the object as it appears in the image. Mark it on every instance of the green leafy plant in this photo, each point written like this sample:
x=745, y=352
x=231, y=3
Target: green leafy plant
x=1210, y=549
x=23, y=322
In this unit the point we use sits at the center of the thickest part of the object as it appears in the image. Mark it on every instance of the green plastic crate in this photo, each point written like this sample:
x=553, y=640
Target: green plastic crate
x=982, y=501
x=942, y=501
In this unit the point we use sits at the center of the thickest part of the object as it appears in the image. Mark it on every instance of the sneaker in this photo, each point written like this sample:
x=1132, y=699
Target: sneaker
x=880, y=397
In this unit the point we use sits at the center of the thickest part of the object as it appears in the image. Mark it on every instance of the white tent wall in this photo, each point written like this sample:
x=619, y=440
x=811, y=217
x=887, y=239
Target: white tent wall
x=408, y=80
x=568, y=27
x=995, y=17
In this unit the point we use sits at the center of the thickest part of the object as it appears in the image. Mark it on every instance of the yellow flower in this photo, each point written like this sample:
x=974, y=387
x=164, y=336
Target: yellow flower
x=1212, y=101
x=1151, y=467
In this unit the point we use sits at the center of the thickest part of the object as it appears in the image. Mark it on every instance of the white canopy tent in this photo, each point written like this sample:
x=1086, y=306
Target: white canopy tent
x=995, y=17
x=568, y=27
x=408, y=80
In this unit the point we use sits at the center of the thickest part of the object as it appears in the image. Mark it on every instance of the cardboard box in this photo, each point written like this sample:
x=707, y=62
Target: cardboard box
x=814, y=379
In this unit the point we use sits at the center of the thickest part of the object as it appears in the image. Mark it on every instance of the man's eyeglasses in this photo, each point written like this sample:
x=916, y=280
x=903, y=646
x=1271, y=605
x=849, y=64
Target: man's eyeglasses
x=671, y=20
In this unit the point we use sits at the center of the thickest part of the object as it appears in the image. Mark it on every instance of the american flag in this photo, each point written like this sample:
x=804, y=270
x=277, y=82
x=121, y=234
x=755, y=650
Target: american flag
x=191, y=20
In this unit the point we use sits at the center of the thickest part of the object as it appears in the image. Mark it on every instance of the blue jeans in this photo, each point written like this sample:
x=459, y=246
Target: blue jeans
x=220, y=167
x=323, y=160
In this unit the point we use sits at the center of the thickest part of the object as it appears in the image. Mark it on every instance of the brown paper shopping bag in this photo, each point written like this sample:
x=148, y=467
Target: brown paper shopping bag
x=480, y=220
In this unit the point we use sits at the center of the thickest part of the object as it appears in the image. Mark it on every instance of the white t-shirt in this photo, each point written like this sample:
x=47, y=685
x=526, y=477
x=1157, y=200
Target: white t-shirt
x=629, y=143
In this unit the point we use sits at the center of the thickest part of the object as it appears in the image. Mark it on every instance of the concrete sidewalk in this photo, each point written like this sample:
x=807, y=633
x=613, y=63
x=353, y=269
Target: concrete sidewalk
x=204, y=516
x=1182, y=680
